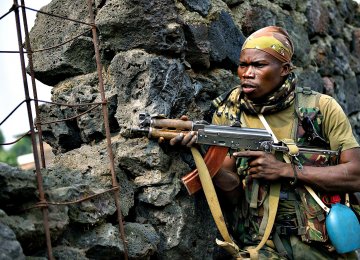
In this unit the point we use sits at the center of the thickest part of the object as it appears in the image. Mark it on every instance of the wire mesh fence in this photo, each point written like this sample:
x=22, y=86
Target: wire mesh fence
x=25, y=51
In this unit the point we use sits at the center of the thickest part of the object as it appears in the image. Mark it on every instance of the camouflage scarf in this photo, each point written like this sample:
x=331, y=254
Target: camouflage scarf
x=276, y=101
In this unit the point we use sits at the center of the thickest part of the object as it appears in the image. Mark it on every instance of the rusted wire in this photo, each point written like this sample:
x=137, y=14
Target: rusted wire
x=33, y=83
x=52, y=47
x=8, y=12
x=42, y=204
x=57, y=16
x=70, y=105
x=69, y=118
x=95, y=104
x=59, y=45
x=17, y=140
x=39, y=179
x=107, y=128
x=12, y=112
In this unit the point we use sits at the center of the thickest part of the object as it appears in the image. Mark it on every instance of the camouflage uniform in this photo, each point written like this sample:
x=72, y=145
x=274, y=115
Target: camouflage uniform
x=299, y=231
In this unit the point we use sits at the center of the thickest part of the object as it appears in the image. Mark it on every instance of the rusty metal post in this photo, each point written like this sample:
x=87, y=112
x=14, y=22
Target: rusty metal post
x=33, y=138
x=107, y=128
x=33, y=83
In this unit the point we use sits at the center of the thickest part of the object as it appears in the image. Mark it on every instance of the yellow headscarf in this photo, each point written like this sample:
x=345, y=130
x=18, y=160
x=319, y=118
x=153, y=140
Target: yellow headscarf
x=273, y=40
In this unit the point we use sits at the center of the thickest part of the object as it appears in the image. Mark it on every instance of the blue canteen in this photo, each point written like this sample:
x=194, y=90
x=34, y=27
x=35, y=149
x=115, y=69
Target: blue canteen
x=343, y=228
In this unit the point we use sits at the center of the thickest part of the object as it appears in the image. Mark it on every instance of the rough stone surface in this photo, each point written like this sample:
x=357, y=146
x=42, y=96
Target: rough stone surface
x=312, y=79
x=225, y=41
x=166, y=57
x=150, y=25
x=16, y=186
x=198, y=45
x=200, y=6
x=356, y=42
x=318, y=18
x=70, y=59
x=10, y=248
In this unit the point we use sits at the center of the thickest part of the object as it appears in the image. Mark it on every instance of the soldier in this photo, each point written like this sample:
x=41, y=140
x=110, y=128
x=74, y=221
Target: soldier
x=268, y=97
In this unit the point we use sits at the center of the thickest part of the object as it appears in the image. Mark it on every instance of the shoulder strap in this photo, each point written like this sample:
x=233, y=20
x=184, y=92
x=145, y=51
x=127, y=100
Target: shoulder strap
x=214, y=205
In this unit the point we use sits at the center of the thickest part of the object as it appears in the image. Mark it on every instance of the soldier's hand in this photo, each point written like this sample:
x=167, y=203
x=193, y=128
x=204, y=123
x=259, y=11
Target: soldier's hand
x=264, y=165
x=186, y=140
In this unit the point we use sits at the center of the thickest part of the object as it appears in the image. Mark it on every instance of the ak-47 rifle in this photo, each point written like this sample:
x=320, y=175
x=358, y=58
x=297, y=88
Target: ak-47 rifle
x=220, y=138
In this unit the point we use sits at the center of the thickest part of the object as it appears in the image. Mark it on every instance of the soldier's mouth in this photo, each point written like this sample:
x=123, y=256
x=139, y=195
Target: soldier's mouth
x=246, y=88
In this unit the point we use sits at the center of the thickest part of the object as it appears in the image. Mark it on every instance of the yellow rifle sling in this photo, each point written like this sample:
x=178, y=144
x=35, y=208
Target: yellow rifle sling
x=273, y=206
x=214, y=205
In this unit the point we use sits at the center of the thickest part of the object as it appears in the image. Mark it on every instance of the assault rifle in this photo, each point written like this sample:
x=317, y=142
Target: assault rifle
x=220, y=138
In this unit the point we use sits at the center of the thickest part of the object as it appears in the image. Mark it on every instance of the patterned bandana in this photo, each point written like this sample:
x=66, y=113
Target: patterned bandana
x=273, y=40
x=282, y=98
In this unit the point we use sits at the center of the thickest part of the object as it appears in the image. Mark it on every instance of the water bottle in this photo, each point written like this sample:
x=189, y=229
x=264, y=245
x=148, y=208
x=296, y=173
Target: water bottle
x=343, y=228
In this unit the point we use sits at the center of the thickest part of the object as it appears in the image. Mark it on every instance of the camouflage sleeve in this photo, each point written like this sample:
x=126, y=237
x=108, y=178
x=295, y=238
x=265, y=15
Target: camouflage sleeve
x=336, y=126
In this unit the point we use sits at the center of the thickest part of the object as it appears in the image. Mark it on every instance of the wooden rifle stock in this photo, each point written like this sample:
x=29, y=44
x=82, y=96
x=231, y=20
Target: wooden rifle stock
x=213, y=160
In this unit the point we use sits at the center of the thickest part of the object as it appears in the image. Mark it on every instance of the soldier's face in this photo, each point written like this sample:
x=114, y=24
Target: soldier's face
x=260, y=73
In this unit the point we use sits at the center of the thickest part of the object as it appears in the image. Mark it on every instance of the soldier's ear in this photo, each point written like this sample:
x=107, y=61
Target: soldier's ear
x=285, y=69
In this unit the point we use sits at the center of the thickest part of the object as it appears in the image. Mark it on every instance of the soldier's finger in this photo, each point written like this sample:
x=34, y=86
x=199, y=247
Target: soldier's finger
x=192, y=141
x=184, y=118
x=177, y=139
x=161, y=139
x=187, y=138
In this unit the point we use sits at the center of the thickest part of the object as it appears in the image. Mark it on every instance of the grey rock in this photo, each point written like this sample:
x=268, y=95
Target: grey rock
x=161, y=57
x=256, y=17
x=83, y=127
x=322, y=57
x=299, y=37
x=160, y=195
x=347, y=93
x=17, y=187
x=351, y=90
x=342, y=57
x=337, y=22
x=232, y=3
x=85, y=171
x=29, y=226
x=61, y=136
x=354, y=120
x=310, y=78
x=10, y=248
x=286, y=4
x=150, y=25
x=200, y=6
x=318, y=18
x=66, y=252
x=198, y=45
x=347, y=9
x=225, y=41
x=146, y=82
x=103, y=242
x=178, y=225
x=69, y=59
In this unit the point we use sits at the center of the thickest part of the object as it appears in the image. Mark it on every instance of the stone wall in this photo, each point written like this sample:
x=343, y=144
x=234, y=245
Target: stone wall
x=164, y=57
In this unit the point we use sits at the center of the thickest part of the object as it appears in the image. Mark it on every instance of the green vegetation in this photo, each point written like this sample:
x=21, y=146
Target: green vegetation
x=19, y=148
